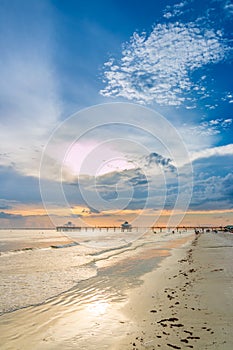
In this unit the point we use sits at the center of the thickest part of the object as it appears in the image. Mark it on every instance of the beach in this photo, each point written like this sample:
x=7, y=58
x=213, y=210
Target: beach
x=162, y=290
x=193, y=306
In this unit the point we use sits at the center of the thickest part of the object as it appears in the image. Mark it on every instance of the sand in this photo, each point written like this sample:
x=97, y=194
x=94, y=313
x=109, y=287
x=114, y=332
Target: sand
x=140, y=298
x=187, y=302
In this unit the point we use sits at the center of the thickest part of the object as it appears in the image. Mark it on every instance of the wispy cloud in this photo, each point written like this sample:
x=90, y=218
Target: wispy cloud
x=157, y=67
x=228, y=6
x=209, y=128
x=176, y=10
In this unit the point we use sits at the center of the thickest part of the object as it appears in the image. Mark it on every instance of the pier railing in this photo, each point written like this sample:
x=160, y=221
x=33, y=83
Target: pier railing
x=137, y=229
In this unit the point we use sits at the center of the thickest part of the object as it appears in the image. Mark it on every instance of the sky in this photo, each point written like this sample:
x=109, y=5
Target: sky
x=114, y=111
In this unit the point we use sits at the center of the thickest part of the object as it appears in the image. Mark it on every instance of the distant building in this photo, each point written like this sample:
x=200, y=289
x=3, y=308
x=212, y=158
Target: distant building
x=69, y=224
x=126, y=227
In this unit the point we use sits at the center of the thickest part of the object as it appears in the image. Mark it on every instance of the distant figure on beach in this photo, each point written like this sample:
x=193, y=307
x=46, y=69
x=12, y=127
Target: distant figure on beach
x=126, y=226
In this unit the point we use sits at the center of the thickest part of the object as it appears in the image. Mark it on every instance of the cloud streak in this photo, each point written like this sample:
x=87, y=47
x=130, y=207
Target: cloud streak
x=211, y=152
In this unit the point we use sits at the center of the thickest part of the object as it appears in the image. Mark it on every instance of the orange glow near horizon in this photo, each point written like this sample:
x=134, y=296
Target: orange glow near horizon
x=37, y=215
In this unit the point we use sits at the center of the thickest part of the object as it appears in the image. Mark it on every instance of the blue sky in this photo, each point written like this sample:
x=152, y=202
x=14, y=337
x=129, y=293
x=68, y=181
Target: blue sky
x=60, y=57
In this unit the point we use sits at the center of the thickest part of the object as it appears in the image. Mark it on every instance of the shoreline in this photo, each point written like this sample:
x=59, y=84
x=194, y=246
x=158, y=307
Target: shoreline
x=182, y=301
x=54, y=271
x=187, y=302
x=90, y=313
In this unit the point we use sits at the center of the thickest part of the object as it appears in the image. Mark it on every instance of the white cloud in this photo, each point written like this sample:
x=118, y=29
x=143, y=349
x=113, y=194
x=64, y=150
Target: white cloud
x=228, y=97
x=229, y=8
x=214, y=151
x=209, y=128
x=157, y=67
x=176, y=10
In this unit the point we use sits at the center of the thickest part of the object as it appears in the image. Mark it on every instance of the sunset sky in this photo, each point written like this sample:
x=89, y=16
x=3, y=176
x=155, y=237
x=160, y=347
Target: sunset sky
x=114, y=111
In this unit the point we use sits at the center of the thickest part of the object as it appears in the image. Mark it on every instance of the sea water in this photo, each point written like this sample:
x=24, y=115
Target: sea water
x=72, y=294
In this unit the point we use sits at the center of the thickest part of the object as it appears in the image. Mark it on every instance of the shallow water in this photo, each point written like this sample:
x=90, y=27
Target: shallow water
x=88, y=313
x=17, y=239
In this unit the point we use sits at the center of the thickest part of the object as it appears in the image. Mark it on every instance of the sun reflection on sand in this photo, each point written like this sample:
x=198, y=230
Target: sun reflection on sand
x=98, y=307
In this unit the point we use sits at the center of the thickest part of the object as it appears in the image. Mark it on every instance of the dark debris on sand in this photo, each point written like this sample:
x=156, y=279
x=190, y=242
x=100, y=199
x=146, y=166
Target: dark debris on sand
x=174, y=328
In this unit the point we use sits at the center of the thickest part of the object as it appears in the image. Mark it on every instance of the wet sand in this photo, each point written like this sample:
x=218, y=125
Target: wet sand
x=138, y=298
x=37, y=272
x=89, y=313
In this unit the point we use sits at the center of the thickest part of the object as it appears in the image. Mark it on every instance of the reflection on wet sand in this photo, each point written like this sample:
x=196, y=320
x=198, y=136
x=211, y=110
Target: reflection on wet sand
x=90, y=312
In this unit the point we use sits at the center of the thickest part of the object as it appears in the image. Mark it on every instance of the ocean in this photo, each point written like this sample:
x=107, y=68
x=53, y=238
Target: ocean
x=54, y=292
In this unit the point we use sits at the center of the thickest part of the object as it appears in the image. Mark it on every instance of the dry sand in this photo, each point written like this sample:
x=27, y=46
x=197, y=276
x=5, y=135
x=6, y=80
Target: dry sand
x=187, y=302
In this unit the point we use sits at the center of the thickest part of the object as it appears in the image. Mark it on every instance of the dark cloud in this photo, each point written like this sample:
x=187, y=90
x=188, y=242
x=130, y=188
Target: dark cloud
x=26, y=189
x=4, y=215
x=93, y=210
x=109, y=195
x=15, y=186
x=213, y=192
x=227, y=187
x=213, y=187
x=156, y=159
x=220, y=165
x=5, y=207
x=111, y=179
x=213, y=183
x=104, y=215
x=112, y=187
x=139, y=179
